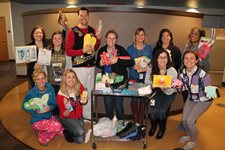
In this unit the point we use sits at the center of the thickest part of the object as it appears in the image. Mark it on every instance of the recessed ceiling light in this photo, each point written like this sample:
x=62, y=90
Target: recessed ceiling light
x=192, y=10
x=71, y=6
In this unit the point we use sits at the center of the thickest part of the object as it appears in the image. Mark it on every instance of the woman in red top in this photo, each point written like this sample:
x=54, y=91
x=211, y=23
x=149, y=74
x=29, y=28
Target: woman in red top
x=70, y=106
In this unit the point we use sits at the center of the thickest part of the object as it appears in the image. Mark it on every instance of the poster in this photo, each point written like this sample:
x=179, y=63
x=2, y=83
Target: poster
x=26, y=54
x=44, y=57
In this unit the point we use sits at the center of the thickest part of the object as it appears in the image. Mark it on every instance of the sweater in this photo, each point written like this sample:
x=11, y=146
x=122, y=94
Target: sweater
x=35, y=93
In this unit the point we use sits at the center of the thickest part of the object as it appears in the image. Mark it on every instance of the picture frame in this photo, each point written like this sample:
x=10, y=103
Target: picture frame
x=26, y=54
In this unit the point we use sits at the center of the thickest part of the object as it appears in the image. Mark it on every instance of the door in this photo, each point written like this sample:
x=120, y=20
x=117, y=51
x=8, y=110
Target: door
x=3, y=41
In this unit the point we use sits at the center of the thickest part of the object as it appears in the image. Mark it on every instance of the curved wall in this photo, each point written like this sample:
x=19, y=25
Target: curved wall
x=124, y=21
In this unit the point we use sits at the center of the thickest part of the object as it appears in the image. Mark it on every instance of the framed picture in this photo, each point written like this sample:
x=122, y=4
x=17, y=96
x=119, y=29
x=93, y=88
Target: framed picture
x=26, y=54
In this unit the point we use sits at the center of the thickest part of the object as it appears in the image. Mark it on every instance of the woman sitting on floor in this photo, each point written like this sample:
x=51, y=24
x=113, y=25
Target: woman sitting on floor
x=42, y=121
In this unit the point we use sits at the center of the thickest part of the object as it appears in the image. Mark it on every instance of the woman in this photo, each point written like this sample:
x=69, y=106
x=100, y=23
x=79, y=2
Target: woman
x=194, y=81
x=70, y=106
x=119, y=59
x=138, y=71
x=161, y=65
x=166, y=41
x=58, y=60
x=42, y=121
x=38, y=38
x=193, y=44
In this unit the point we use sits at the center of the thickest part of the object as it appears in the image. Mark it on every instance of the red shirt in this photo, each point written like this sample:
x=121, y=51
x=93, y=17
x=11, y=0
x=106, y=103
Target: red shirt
x=78, y=113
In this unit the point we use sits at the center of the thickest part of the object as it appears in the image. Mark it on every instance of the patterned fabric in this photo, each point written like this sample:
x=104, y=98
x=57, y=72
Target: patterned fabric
x=47, y=129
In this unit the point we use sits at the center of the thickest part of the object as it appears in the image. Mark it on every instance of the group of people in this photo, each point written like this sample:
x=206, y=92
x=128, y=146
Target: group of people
x=76, y=64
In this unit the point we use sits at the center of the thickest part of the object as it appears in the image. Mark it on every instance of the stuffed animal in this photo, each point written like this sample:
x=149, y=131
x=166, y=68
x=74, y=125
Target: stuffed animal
x=37, y=103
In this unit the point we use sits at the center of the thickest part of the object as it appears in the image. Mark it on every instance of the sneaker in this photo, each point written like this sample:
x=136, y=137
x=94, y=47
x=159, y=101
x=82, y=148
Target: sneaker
x=181, y=127
x=184, y=139
x=189, y=146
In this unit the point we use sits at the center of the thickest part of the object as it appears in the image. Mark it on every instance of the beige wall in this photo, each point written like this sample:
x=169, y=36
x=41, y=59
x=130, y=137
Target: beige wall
x=124, y=23
x=5, y=11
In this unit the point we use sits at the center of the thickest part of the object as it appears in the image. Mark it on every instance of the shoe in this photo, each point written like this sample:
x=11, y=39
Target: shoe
x=181, y=127
x=44, y=144
x=189, y=146
x=184, y=139
x=68, y=136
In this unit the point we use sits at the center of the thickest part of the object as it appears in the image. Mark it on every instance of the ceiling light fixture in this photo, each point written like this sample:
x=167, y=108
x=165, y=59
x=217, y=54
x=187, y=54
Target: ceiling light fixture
x=140, y=3
x=192, y=10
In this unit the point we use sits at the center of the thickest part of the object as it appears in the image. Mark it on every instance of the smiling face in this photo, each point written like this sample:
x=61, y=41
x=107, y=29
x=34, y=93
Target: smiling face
x=83, y=17
x=166, y=38
x=194, y=35
x=57, y=40
x=40, y=81
x=162, y=60
x=38, y=35
x=111, y=40
x=70, y=79
x=190, y=61
x=140, y=37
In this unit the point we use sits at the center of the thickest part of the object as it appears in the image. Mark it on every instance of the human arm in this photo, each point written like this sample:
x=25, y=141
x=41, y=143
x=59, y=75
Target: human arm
x=70, y=44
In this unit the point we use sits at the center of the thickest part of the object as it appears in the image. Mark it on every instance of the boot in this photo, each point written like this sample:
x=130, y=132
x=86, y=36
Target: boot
x=141, y=114
x=134, y=108
x=162, y=128
x=153, y=127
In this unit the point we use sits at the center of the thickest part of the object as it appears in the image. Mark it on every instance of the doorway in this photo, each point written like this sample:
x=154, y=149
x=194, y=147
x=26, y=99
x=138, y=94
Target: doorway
x=3, y=41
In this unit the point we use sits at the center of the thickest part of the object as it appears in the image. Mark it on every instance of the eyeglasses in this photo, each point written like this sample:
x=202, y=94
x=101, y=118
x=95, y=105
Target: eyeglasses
x=162, y=58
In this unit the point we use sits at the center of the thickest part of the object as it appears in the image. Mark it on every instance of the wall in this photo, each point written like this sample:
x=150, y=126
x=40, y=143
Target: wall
x=5, y=11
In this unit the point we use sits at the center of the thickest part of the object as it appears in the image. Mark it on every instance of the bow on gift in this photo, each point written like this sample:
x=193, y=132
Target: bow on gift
x=211, y=92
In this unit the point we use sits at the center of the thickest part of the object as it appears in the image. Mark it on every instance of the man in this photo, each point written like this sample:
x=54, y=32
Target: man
x=83, y=58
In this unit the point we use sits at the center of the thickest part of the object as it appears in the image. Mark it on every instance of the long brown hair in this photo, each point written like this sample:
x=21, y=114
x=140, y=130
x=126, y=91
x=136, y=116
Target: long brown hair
x=51, y=45
x=63, y=83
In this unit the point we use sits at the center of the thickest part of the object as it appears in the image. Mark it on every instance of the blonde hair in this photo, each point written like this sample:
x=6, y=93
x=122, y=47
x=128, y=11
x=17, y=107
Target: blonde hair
x=63, y=83
x=37, y=72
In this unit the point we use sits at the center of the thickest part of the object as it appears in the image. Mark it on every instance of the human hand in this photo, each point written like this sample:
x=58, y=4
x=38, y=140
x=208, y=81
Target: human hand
x=177, y=84
x=37, y=65
x=102, y=62
x=88, y=49
x=113, y=60
x=210, y=92
x=99, y=34
x=66, y=113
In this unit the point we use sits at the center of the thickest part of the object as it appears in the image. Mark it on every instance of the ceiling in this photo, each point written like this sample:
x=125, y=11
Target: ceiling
x=208, y=4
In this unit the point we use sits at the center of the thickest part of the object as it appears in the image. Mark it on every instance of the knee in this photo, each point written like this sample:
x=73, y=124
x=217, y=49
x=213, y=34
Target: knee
x=190, y=122
x=79, y=140
x=162, y=115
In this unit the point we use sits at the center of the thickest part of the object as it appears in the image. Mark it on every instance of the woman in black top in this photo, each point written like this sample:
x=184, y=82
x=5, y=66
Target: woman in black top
x=38, y=38
x=119, y=59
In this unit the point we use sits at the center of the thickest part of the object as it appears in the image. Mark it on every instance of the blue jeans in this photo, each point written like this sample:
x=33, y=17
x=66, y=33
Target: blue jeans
x=111, y=103
x=75, y=127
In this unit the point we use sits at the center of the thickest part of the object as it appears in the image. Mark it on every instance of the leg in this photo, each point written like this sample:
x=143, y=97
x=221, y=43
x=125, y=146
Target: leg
x=75, y=128
x=119, y=107
x=47, y=130
x=142, y=107
x=134, y=108
x=165, y=102
x=109, y=106
x=197, y=110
